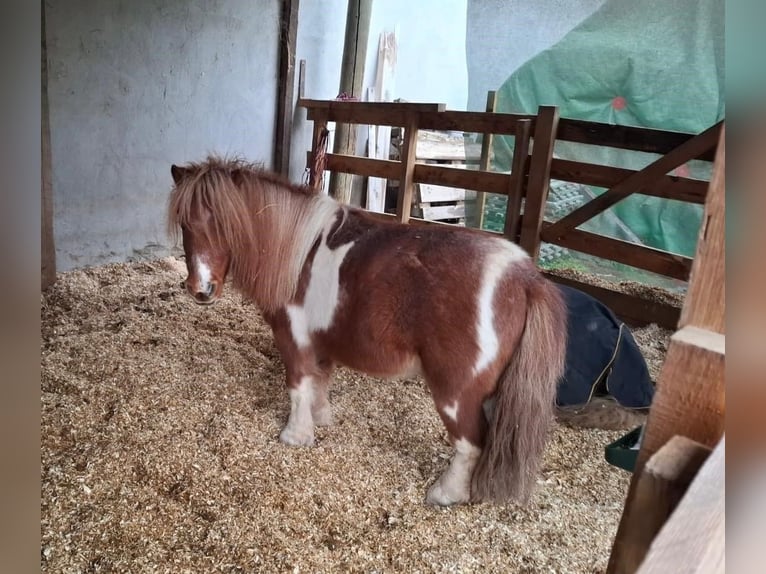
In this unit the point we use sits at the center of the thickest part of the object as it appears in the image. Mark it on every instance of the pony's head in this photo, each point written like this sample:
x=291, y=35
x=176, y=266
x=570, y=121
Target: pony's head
x=207, y=207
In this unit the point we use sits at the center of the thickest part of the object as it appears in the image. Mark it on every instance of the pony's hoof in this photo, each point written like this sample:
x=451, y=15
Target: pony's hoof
x=437, y=496
x=323, y=416
x=295, y=437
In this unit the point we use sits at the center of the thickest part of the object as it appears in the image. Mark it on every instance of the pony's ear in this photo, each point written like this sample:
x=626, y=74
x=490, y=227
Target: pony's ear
x=177, y=173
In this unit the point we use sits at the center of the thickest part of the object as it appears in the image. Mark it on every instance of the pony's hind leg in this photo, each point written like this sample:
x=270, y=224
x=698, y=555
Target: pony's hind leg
x=321, y=408
x=463, y=416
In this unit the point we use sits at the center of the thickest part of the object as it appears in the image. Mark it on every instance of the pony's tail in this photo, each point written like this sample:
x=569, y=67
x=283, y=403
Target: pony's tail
x=524, y=402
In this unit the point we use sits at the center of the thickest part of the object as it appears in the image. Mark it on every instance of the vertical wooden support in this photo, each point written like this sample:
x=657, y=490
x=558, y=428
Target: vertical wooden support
x=48, y=248
x=690, y=398
x=285, y=85
x=302, y=80
x=351, y=77
x=539, y=178
x=406, y=183
x=318, y=142
x=517, y=179
x=484, y=160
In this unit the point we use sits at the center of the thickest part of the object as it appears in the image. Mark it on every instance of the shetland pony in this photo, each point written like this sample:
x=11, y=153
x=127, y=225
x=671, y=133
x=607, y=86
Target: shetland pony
x=468, y=311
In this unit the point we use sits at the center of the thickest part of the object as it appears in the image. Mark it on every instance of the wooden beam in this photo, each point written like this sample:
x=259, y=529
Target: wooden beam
x=667, y=187
x=406, y=179
x=626, y=137
x=517, y=179
x=693, y=539
x=706, y=298
x=473, y=122
x=634, y=310
x=47, y=246
x=660, y=486
x=487, y=181
x=638, y=180
x=641, y=256
x=285, y=85
x=539, y=180
x=358, y=17
x=364, y=166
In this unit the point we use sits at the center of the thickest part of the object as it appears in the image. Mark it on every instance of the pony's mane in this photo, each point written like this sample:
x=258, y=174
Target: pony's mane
x=267, y=223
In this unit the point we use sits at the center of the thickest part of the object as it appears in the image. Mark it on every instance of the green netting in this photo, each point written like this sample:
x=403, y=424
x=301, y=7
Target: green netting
x=653, y=63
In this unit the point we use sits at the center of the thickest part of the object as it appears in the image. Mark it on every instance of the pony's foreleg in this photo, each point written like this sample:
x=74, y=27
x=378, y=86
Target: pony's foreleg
x=299, y=430
x=465, y=422
x=321, y=408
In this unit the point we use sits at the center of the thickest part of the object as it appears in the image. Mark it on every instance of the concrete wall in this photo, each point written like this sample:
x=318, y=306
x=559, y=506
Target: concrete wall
x=431, y=60
x=503, y=34
x=136, y=85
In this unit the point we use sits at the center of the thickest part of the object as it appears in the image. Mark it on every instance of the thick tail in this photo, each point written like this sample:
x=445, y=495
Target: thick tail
x=524, y=402
x=601, y=413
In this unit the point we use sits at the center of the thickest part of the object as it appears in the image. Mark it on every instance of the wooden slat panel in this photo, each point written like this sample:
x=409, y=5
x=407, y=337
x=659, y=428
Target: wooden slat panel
x=693, y=540
x=439, y=212
x=488, y=181
x=474, y=122
x=648, y=258
x=659, y=488
x=638, y=180
x=634, y=310
x=625, y=137
x=539, y=178
x=668, y=187
x=706, y=300
x=429, y=193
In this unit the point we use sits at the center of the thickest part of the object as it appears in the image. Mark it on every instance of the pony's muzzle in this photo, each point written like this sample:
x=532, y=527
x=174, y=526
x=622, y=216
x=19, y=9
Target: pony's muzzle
x=203, y=296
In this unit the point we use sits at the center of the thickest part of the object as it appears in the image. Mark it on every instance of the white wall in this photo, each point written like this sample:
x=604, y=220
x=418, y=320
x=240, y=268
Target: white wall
x=137, y=85
x=504, y=34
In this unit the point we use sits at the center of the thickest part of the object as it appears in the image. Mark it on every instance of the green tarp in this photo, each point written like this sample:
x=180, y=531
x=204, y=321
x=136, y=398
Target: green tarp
x=651, y=63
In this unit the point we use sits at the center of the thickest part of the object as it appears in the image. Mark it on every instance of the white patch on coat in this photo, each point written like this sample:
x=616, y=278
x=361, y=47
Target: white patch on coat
x=322, y=294
x=204, y=274
x=495, y=266
x=299, y=430
x=454, y=485
x=451, y=410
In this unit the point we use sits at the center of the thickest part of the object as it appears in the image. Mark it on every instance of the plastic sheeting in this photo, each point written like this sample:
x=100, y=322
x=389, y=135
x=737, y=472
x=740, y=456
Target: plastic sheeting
x=653, y=63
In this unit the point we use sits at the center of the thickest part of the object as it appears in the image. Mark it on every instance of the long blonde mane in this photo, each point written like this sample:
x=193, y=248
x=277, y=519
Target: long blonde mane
x=267, y=224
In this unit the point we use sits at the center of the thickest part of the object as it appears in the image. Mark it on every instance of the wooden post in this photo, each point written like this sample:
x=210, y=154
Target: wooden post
x=539, y=179
x=285, y=85
x=48, y=248
x=485, y=160
x=318, y=141
x=690, y=398
x=517, y=179
x=351, y=78
x=406, y=182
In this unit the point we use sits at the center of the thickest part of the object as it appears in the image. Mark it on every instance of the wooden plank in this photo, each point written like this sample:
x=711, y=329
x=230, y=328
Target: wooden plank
x=473, y=122
x=539, y=178
x=491, y=182
x=659, y=488
x=516, y=183
x=693, y=540
x=626, y=137
x=667, y=187
x=47, y=245
x=641, y=256
x=634, y=310
x=430, y=193
x=440, y=212
x=406, y=181
x=638, y=180
x=285, y=82
x=383, y=168
x=706, y=299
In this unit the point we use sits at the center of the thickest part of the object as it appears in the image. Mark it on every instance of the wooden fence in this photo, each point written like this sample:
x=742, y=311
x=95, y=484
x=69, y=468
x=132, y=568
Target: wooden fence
x=527, y=184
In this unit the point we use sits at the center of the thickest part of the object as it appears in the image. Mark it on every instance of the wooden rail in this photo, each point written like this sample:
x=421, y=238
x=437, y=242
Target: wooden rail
x=529, y=180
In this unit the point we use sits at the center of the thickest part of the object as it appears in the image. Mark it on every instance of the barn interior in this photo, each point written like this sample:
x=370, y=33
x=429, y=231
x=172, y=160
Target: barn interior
x=596, y=147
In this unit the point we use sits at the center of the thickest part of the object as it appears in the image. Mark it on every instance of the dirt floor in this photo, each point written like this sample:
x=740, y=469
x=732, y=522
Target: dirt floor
x=159, y=453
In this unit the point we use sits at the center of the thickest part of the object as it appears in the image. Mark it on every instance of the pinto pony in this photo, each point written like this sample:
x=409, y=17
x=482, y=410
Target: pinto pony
x=468, y=311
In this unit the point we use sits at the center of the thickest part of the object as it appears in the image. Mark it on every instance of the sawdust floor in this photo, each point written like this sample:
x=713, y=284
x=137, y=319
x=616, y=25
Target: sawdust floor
x=159, y=453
